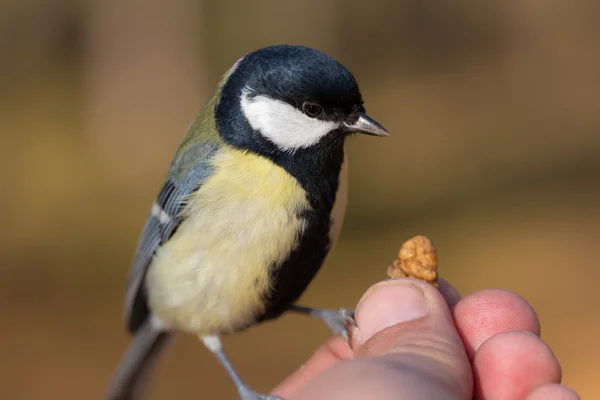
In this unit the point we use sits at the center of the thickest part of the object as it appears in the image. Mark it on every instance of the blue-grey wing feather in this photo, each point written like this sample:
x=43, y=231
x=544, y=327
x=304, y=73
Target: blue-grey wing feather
x=187, y=173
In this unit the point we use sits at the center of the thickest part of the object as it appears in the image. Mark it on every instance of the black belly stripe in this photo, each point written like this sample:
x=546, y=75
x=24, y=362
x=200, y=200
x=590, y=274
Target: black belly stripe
x=292, y=277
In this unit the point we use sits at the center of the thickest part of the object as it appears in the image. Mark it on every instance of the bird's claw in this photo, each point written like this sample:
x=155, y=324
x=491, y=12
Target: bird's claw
x=340, y=322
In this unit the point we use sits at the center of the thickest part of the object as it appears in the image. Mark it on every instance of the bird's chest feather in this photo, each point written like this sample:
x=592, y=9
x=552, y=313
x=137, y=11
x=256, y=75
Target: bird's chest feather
x=213, y=274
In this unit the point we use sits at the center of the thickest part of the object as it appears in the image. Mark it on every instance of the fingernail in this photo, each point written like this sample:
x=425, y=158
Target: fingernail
x=388, y=304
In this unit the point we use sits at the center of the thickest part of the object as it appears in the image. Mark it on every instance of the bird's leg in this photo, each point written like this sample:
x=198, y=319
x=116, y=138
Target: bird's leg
x=340, y=322
x=213, y=343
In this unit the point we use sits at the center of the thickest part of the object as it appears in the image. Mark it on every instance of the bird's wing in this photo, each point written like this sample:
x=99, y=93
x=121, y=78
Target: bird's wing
x=160, y=225
x=190, y=168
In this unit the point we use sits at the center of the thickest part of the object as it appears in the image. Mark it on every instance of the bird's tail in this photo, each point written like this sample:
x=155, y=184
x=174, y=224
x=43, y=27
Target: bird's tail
x=136, y=365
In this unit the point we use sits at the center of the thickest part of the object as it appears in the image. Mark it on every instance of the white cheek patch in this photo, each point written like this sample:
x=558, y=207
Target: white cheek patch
x=285, y=126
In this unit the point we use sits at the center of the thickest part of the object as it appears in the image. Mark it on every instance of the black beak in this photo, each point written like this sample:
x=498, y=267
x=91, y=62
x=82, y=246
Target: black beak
x=368, y=126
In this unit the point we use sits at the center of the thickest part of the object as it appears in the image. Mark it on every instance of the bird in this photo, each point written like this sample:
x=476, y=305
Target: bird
x=252, y=204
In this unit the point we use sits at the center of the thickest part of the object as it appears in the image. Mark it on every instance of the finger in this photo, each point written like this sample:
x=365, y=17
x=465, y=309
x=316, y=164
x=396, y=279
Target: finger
x=482, y=315
x=337, y=349
x=406, y=347
x=327, y=355
x=512, y=364
x=553, y=391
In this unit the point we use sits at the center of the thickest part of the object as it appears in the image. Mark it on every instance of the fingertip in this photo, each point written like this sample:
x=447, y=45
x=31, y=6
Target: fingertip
x=553, y=391
x=399, y=302
x=482, y=315
x=386, y=304
x=511, y=364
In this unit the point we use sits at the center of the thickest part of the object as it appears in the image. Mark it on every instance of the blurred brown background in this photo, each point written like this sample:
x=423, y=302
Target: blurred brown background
x=494, y=110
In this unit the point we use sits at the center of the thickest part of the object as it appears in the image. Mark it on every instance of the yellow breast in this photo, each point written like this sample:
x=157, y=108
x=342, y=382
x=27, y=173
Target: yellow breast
x=212, y=275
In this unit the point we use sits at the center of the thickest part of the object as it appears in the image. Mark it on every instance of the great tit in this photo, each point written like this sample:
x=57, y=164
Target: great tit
x=252, y=204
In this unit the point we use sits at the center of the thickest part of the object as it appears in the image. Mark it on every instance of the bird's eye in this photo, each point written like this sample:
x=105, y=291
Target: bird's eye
x=311, y=109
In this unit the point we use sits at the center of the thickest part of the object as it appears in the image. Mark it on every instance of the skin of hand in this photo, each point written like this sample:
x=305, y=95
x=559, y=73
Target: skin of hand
x=415, y=342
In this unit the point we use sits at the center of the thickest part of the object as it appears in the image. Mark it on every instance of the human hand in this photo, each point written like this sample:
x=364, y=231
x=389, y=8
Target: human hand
x=409, y=345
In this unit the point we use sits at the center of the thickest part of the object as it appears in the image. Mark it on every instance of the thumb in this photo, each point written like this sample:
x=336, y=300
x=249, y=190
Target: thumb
x=406, y=324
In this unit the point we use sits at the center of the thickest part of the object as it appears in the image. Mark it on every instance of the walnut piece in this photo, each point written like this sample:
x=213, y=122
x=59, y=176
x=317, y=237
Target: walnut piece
x=417, y=258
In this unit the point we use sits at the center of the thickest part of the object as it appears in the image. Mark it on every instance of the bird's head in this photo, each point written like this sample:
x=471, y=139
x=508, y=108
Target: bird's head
x=282, y=99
